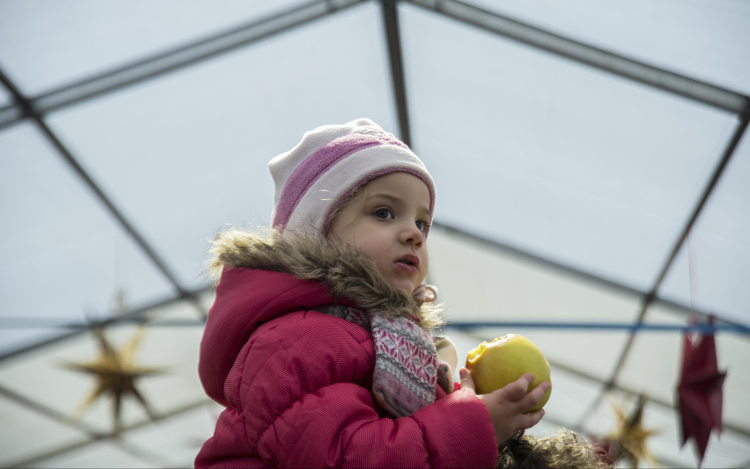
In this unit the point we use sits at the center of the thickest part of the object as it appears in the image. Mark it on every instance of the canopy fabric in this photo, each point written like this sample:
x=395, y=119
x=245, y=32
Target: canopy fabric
x=591, y=163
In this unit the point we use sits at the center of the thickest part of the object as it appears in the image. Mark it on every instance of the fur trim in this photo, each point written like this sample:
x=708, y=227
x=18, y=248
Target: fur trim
x=348, y=272
x=564, y=450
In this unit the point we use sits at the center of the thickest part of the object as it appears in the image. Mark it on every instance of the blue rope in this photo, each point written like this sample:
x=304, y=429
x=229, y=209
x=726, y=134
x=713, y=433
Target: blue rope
x=615, y=326
x=56, y=323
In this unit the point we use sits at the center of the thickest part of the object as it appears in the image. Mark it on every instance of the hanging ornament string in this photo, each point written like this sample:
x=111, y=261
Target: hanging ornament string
x=691, y=271
x=119, y=297
x=695, y=337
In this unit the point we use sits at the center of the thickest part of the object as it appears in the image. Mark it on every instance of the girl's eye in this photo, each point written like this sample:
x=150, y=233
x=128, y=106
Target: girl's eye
x=423, y=226
x=383, y=213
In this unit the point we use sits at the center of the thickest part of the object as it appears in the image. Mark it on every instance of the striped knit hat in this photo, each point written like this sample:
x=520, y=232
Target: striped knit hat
x=330, y=163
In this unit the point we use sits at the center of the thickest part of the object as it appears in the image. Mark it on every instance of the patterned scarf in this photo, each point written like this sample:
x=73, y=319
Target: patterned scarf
x=406, y=363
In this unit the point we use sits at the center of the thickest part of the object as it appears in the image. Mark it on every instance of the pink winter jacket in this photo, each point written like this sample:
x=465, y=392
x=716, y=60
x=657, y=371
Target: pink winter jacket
x=296, y=384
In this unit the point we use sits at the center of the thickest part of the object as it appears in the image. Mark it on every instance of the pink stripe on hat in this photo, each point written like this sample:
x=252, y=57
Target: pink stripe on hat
x=315, y=165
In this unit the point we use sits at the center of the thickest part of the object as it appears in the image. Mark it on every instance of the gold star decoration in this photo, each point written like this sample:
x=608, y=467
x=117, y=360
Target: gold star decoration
x=628, y=441
x=116, y=375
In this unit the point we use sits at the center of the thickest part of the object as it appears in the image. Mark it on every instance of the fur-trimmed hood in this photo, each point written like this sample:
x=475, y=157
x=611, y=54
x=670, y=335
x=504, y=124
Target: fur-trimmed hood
x=346, y=272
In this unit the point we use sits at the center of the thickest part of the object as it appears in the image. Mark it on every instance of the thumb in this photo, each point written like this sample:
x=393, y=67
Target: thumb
x=467, y=382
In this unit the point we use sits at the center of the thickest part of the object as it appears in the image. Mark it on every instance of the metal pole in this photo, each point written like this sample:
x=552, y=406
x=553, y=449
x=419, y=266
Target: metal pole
x=675, y=83
x=175, y=59
x=649, y=298
x=393, y=37
x=150, y=252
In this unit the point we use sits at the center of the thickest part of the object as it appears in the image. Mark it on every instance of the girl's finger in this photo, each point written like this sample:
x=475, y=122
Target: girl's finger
x=517, y=389
x=533, y=398
x=466, y=380
x=525, y=421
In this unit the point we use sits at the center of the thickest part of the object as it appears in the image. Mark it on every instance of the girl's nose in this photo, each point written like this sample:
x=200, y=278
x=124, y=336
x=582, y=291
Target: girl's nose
x=412, y=235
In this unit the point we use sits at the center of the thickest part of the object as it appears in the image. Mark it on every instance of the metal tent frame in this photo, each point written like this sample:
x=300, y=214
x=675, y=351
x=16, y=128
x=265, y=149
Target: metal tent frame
x=36, y=108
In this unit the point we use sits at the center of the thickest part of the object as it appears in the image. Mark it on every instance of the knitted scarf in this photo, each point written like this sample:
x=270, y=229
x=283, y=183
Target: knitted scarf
x=406, y=363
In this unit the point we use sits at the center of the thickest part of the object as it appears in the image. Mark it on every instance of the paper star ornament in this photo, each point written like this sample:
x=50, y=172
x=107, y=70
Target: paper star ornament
x=116, y=375
x=699, y=391
x=628, y=441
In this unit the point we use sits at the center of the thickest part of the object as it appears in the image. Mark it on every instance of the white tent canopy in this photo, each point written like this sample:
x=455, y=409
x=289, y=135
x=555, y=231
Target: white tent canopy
x=590, y=161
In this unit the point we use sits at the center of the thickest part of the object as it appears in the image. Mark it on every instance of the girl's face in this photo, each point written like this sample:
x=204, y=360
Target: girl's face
x=389, y=225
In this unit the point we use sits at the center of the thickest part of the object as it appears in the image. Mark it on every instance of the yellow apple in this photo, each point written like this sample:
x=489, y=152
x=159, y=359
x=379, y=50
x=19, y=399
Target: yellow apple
x=506, y=359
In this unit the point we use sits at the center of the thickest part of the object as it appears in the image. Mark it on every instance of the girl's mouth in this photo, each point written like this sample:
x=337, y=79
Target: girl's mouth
x=407, y=267
x=409, y=263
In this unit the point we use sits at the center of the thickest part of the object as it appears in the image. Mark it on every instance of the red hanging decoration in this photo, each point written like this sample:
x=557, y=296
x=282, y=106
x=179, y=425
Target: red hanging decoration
x=699, y=392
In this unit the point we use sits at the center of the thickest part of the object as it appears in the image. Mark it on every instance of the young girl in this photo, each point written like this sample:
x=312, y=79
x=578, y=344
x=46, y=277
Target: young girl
x=319, y=341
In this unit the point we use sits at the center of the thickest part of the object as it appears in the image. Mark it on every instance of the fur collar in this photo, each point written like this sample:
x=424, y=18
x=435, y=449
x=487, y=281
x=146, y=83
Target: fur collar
x=347, y=272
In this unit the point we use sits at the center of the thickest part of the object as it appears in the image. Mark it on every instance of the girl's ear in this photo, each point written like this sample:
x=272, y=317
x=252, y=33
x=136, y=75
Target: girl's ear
x=425, y=293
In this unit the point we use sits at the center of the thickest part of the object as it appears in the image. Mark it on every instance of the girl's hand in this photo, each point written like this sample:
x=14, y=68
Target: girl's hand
x=508, y=404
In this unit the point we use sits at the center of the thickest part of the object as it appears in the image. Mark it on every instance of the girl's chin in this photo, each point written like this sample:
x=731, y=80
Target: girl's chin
x=403, y=284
